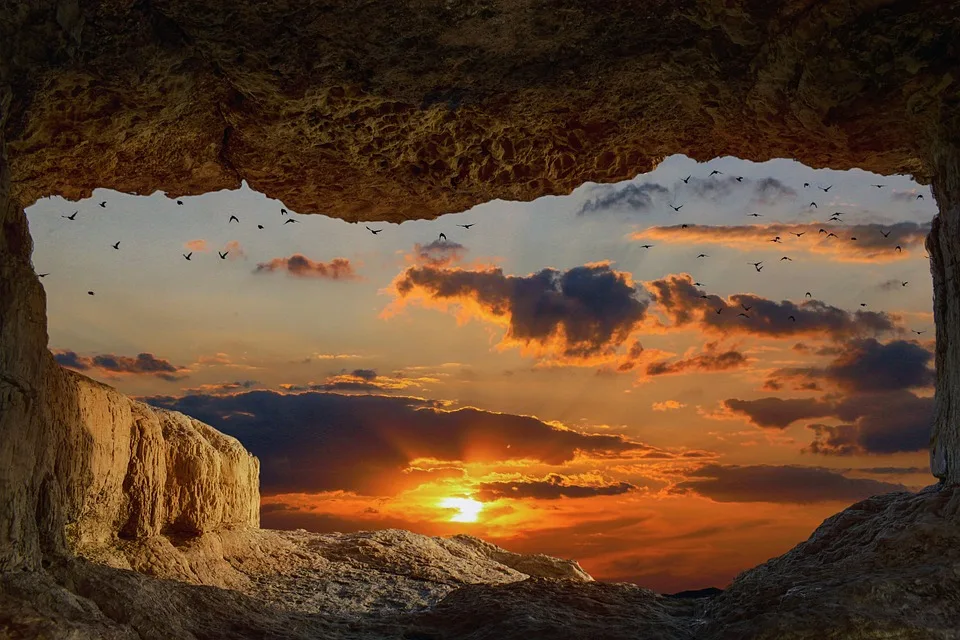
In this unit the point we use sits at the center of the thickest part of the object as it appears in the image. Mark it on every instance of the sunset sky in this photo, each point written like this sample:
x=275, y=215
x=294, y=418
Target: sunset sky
x=540, y=380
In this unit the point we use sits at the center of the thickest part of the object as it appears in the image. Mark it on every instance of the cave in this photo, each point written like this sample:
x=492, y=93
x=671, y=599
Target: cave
x=401, y=111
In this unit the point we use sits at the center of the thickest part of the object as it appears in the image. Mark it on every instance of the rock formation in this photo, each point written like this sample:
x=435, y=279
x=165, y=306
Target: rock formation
x=391, y=111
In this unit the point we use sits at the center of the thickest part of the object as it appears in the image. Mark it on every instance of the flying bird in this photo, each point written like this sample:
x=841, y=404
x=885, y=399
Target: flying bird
x=703, y=255
x=918, y=332
x=283, y=211
x=745, y=307
x=756, y=264
x=754, y=215
x=187, y=255
x=903, y=284
x=814, y=205
x=739, y=178
x=443, y=237
x=289, y=220
x=223, y=256
x=715, y=172
x=467, y=226
x=822, y=231
x=759, y=269
x=887, y=234
x=806, y=184
x=103, y=205
x=792, y=318
x=919, y=196
x=827, y=189
x=704, y=296
x=676, y=208
x=232, y=218
x=646, y=246
x=699, y=284
x=898, y=249
x=878, y=186
x=374, y=231
x=719, y=310
x=179, y=203
x=809, y=295
x=798, y=234
x=686, y=180
x=853, y=237
x=89, y=293
x=777, y=239
x=832, y=235
x=786, y=258
x=742, y=314
x=863, y=304
x=117, y=245
x=684, y=226
x=42, y=275
x=72, y=216
x=260, y=226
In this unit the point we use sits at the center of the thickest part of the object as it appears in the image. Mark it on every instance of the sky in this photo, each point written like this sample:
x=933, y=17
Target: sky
x=566, y=376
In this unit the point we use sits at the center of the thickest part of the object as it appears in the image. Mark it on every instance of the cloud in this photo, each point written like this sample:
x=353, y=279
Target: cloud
x=111, y=365
x=780, y=484
x=870, y=244
x=909, y=196
x=312, y=442
x=681, y=301
x=302, y=267
x=235, y=249
x=667, y=405
x=881, y=423
x=769, y=191
x=866, y=365
x=197, y=246
x=637, y=197
x=579, y=316
x=779, y=413
x=709, y=361
x=438, y=254
x=553, y=487
x=361, y=381
x=224, y=387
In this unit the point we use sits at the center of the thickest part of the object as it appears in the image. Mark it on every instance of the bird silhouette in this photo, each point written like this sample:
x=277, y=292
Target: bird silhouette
x=878, y=186
x=739, y=178
x=187, y=255
x=745, y=307
x=742, y=314
x=919, y=196
x=72, y=216
x=699, y=284
x=814, y=205
x=759, y=269
x=903, y=284
x=863, y=304
x=792, y=318
x=684, y=226
x=89, y=293
x=103, y=205
x=676, y=208
x=786, y=258
x=777, y=239
x=686, y=180
x=179, y=203
x=822, y=231
x=809, y=295
x=806, y=184
x=232, y=219
x=703, y=255
x=467, y=226
x=798, y=234
x=283, y=211
x=827, y=189
x=719, y=310
x=715, y=172
x=898, y=249
x=117, y=245
x=756, y=264
x=853, y=237
x=754, y=215
x=918, y=332
x=42, y=275
x=289, y=220
x=223, y=256
x=374, y=231
x=887, y=234
x=705, y=296
x=832, y=235
x=443, y=237
x=646, y=246
x=260, y=226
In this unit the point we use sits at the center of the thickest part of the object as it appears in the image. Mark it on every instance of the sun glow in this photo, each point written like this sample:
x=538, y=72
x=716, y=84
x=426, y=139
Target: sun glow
x=468, y=509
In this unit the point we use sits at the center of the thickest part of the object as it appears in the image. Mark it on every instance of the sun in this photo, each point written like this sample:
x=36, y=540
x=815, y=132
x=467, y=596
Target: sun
x=468, y=509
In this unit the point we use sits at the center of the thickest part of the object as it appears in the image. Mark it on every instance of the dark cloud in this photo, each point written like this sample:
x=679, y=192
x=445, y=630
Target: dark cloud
x=579, y=314
x=438, y=254
x=716, y=188
x=877, y=423
x=892, y=470
x=866, y=365
x=779, y=413
x=225, y=387
x=780, y=484
x=109, y=364
x=681, y=301
x=553, y=487
x=303, y=267
x=364, y=374
x=636, y=197
x=312, y=442
x=361, y=381
x=712, y=360
x=769, y=191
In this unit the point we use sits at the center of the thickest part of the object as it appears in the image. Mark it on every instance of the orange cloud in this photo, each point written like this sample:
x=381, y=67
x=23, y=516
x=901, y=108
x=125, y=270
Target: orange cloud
x=871, y=245
x=302, y=267
x=667, y=405
x=198, y=246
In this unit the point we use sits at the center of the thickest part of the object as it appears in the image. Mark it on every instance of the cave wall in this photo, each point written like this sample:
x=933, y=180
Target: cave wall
x=409, y=109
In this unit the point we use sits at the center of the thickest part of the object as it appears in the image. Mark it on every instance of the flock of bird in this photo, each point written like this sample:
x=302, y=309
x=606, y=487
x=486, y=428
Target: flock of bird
x=758, y=266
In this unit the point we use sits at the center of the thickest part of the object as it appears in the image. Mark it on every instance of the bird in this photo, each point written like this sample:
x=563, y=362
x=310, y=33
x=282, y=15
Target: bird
x=687, y=179
x=676, y=208
x=719, y=310
x=117, y=245
x=809, y=295
x=705, y=296
x=739, y=178
x=887, y=234
x=777, y=239
x=699, y=284
x=878, y=186
x=903, y=284
x=853, y=237
x=42, y=275
x=756, y=264
x=283, y=211
x=289, y=220
x=863, y=304
x=89, y=293
x=684, y=226
x=374, y=231
x=745, y=307
x=806, y=184
x=827, y=189
x=223, y=256
x=918, y=332
x=798, y=234
x=232, y=218
x=822, y=231
x=179, y=203
x=786, y=258
x=467, y=226
x=703, y=255
x=715, y=172
x=260, y=226
x=742, y=314
x=792, y=318
x=103, y=205
x=187, y=255
x=838, y=213
x=754, y=215
x=72, y=216
x=646, y=246
x=759, y=269
x=898, y=249
x=814, y=205
x=834, y=219
x=443, y=237
x=832, y=235
x=919, y=196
